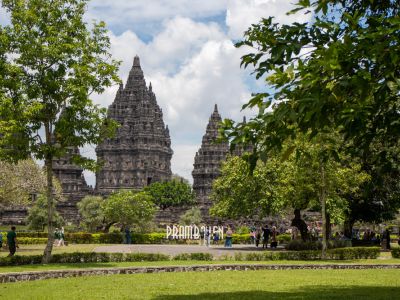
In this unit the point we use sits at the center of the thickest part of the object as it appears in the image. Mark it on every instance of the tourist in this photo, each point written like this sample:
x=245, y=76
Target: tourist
x=61, y=237
x=228, y=240
x=207, y=237
x=56, y=237
x=128, y=236
x=215, y=238
x=258, y=236
x=274, y=241
x=266, y=234
x=201, y=241
x=12, y=241
x=252, y=235
x=1, y=241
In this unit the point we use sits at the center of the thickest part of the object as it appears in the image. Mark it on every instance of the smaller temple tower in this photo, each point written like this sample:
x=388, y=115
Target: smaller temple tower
x=207, y=162
x=73, y=184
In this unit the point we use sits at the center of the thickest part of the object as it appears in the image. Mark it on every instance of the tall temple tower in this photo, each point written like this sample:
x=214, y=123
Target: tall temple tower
x=140, y=153
x=73, y=184
x=207, y=162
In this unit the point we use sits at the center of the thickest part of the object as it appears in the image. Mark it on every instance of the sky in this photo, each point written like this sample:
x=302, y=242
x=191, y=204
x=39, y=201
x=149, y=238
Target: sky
x=186, y=50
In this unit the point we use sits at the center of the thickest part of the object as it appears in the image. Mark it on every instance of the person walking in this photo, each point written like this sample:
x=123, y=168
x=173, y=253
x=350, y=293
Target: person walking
x=228, y=241
x=61, y=237
x=12, y=241
x=201, y=240
x=128, y=236
x=207, y=237
x=1, y=241
x=266, y=234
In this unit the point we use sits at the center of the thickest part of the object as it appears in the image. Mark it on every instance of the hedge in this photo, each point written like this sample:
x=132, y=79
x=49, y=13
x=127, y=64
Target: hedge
x=396, y=252
x=93, y=257
x=332, y=254
x=85, y=257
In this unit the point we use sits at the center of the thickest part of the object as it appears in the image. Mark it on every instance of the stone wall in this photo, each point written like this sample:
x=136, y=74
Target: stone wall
x=39, y=275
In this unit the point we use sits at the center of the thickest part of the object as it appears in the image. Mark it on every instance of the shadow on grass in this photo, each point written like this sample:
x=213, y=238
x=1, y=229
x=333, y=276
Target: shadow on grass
x=315, y=292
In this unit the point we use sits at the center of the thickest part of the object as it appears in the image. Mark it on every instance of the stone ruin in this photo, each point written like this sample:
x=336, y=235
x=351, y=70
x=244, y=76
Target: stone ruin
x=140, y=153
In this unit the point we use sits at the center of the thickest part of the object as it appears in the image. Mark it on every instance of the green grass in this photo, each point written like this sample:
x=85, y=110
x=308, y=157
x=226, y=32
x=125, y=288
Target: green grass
x=38, y=249
x=28, y=268
x=240, y=285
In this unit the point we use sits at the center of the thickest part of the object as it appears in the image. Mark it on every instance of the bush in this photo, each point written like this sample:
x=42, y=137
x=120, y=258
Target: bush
x=299, y=245
x=241, y=238
x=29, y=234
x=284, y=238
x=31, y=241
x=93, y=257
x=396, y=252
x=194, y=256
x=333, y=254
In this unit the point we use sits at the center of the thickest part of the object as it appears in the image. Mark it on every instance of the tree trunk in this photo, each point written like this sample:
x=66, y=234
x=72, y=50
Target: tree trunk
x=348, y=227
x=50, y=205
x=323, y=211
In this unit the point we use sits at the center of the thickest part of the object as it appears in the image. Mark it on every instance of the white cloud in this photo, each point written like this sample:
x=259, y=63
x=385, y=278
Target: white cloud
x=242, y=13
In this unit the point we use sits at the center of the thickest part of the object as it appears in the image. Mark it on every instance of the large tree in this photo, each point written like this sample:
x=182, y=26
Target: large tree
x=53, y=62
x=338, y=71
x=20, y=181
x=91, y=212
x=306, y=177
x=128, y=208
x=175, y=192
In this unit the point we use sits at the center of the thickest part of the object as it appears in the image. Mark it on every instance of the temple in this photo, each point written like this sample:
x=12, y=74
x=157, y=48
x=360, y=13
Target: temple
x=207, y=163
x=140, y=153
x=73, y=184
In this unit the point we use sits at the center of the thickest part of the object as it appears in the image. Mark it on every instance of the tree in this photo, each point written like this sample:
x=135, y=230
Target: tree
x=170, y=193
x=53, y=62
x=338, y=72
x=91, y=211
x=191, y=216
x=305, y=178
x=19, y=181
x=129, y=208
x=37, y=215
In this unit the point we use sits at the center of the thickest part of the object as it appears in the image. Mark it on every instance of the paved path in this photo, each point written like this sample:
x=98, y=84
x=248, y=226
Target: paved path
x=177, y=249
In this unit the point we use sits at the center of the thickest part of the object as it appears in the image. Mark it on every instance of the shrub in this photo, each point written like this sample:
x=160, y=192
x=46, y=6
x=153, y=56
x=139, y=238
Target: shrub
x=299, y=245
x=284, y=238
x=30, y=234
x=194, y=256
x=241, y=238
x=396, y=252
x=146, y=257
x=31, y=241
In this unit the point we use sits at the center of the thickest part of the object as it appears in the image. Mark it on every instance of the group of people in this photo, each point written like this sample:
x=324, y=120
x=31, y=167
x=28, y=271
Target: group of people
x=265, y=235
x=206, y=237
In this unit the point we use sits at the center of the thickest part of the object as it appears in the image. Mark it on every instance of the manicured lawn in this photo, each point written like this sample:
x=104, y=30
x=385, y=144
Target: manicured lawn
x=240, y=285
x=38, y=249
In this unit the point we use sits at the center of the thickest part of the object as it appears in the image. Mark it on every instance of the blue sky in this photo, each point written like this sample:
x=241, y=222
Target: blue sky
x=186, y=50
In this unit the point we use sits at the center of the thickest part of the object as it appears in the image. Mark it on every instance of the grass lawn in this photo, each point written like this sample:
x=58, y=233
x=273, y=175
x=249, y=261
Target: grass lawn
x=243, y=285
x=38, y=249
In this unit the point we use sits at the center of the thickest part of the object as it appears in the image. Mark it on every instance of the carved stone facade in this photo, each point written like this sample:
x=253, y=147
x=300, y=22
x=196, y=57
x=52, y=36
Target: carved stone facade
x=207, y=162
x=73, y=184
x=140, y=153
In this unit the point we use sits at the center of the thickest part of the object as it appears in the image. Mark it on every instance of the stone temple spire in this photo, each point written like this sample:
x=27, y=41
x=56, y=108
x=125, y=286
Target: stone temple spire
x=136, y=77
x=140, y=153
x=208, y=161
